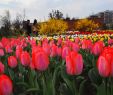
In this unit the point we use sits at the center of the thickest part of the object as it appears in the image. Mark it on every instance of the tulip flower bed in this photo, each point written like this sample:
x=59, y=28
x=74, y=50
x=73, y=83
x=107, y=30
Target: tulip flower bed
x=81, y=65
x=87, y=33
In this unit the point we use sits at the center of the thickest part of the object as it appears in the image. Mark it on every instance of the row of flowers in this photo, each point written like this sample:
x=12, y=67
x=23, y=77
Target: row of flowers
x=87, y=33
x=60, y=66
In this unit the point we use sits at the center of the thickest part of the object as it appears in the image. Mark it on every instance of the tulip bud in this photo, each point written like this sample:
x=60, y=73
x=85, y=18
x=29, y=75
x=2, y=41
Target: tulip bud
x=103, y=66
x=6, y=86
x=74, y=63
x=12, y=61
x=25, y=58
x=40, y=60
x=1, y=52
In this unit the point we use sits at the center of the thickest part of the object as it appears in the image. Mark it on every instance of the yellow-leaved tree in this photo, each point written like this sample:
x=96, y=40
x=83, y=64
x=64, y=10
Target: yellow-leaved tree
x=86, y=25
x=53, y=26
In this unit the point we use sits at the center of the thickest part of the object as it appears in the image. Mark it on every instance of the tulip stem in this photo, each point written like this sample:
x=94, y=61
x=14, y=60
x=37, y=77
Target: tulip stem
x=106, y=86
x=111, y=85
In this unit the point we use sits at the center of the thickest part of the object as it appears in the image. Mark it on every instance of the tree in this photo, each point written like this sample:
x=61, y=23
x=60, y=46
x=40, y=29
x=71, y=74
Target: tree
x=86, y=25
x=53, y=26
x=6, y=24
x=55, y=14
x=67, y=17
x=17, y=23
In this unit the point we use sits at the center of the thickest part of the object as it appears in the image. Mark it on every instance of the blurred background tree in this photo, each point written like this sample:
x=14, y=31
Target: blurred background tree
x=17, y=24
x=53, y=26
x=56, y=14
x=5, y=24
x=10, y=27
x=86, y=25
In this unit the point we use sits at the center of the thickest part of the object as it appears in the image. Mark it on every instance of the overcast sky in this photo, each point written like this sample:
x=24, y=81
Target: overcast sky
x=40, y=8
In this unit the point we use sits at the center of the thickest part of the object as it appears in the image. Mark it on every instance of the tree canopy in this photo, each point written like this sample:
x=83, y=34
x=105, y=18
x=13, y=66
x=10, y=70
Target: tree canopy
x=53, y=26
x=86, y=25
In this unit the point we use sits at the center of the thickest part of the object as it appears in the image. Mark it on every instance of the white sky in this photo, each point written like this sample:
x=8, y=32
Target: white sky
x=39, y=9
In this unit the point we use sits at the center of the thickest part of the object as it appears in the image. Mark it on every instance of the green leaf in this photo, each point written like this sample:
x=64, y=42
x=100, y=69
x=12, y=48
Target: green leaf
x=68, y=82
x=22, y=84
x=30, y=90
x=64, y=90
x=82, y=86
x=101, y=90
x=11, y=73
x=95, y=77
x=55, y=76
x=44, y=87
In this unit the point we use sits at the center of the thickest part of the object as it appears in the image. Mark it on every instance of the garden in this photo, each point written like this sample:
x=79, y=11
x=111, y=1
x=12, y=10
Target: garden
x=58, y=65
x=47, y=58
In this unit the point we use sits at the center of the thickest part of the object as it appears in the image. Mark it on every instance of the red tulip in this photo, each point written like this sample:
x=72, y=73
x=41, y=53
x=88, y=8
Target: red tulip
x=25, y=58
x=59, y=51
x=40, y=60
x=1, y=45
x=46, y=49
x=65, y=52
x=6, y=87
x=77, y=40
x=51, y=43
x=75, y=47
x=1, y=52
x=53, y=52
x=45, y=40
x=110, y=41
x=18, y=51
x=97, y=48
x=2, y=68
x=108, y=55
x=12, y=61
x=74, y=63
x=86, y=44
x=5, y=41
x=8, y=49
x=103, y=66
x=32, y=42
x=32, y=66
x=59, y=42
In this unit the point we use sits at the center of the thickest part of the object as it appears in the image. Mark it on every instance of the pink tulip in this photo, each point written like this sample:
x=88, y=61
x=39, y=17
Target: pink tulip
x=59, y=51
x=53, y=51
x=45, y=40
x=65, y=52
x=110, y=41
x=77, y=40
x=40, y=60
x=25, y=58
x=18, y=51
x=51, y=43
x=46, y=49
x=2, y=68
x=103, y=66
x=86, y=44
x=1, y=45
x=12, y=61
x=59, y=42
x=5, y=41
x=97, y=48
x=1, y=52
x=6, y=86
x=8, y=49
x=75, y=47
x=74, y=63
